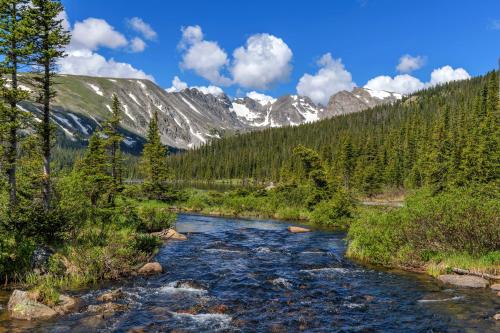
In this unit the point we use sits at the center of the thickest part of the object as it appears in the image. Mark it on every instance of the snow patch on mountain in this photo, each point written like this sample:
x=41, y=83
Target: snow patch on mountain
x=96, y=89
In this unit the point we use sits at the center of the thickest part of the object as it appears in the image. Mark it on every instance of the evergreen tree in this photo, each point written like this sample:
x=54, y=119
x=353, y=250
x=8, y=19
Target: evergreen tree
x=347, y=162
x=50, y=40
x=153, y=162
x=16, y=48
x=114, y=139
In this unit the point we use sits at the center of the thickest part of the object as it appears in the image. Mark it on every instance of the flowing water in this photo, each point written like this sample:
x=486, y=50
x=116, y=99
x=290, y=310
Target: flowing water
x=253, y=276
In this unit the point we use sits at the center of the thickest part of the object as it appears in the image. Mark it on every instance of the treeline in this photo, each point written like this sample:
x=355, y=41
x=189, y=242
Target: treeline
x=447, y=135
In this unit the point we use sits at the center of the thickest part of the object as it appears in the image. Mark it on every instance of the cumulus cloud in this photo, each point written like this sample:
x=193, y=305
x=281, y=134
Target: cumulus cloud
x=137, y=45
x=402, y=84
x=407, y=84
x=138, y=24
x=408, y=63
x=93, y=33
x=331, y=78
x=448, y=74
x=205, y=58
x=179, y=85
x=261, y=98
x=87, y=62
x=263, y=61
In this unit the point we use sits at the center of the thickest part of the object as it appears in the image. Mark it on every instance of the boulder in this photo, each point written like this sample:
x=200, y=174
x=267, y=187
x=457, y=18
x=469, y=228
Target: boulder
x=296, y=230
x=111, y=295
x=169, y=234
x=464, y=280
x=497, y=316
x=107, y=308
x=66, y=305
x=495, y=287
x=21, y=306
x=150, y=268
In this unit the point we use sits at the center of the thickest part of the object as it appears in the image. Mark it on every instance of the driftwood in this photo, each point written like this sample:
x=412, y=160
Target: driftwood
x=483, y=275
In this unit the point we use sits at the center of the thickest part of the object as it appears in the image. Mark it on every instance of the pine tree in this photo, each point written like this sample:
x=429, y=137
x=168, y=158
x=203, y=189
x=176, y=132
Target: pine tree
x=50, y=40
x=16, y=48
x=153, y=162
x=347, y=162
x=114, y=139
x=93, y=170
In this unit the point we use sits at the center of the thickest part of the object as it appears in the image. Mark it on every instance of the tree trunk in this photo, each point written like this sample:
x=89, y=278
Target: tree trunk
x=46, y=136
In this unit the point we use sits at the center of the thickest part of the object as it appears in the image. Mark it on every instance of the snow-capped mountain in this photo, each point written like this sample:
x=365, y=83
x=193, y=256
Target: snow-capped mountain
x=190, y=117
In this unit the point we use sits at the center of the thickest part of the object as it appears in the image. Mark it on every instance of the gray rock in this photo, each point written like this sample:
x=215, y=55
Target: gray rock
x=464, y=280
x=21, y=306
x=107, y=308
x=40, y=259
x=111, y=295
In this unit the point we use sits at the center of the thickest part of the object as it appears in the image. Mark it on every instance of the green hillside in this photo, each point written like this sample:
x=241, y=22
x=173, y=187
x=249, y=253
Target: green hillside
x=436, y=135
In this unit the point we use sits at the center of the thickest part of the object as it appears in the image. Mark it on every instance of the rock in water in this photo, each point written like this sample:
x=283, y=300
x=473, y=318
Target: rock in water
x=66, y=305
x=464, y=280
x=296, y=230
x=21, y=306
x=497, y=316
x=107, y=308
x=495, y=287
x=111, y=295
x=151, y=268
x=169, y=234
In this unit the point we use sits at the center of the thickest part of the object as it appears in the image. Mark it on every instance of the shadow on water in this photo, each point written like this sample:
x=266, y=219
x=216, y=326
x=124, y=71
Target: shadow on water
x=253, y=276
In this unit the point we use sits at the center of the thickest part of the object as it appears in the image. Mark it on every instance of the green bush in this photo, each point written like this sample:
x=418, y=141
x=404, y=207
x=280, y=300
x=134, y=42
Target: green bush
x=154, y=219
x=15, y=254
x=146, y=243
x=334, y=212
x=455, y=223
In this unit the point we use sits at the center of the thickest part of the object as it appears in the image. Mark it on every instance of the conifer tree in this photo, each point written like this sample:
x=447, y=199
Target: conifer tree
x=50, y=40
x=114, y=139
x=16, y=48
x=153, y=161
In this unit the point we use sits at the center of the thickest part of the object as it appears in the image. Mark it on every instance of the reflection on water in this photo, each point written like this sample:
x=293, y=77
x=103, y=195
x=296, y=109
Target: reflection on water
x=254, y=276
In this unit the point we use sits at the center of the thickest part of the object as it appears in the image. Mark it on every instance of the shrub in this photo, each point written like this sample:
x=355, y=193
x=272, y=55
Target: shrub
x=334, y=212
x=154, y=219
x=146, y=243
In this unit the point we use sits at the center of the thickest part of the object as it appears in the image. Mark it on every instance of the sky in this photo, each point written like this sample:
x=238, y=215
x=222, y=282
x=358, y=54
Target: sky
x=274, y=47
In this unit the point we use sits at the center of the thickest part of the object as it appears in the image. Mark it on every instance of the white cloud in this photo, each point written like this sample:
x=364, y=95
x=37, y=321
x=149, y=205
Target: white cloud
x=205, y=58
x=87, y=62
x=212, y=90
x=137, y=45
x=407, y=84
x=142, y=27
x=63, y=16
x=179, y=85
x=448, y=74
x=402, y=84
x=261, y=98
x=331, y=78
x=93, y=33
x=263, y=61
x=408, y=63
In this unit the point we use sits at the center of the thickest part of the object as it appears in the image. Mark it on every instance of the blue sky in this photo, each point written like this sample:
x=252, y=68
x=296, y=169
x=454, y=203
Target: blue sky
x=369, y=36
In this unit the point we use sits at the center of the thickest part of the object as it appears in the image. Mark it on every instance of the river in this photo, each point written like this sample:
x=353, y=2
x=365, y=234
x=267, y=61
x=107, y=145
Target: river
x=235, y=275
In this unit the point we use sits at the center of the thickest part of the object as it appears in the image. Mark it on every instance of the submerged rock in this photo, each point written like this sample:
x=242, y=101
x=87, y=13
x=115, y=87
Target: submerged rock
x=22, y=306
x=464, y=280
x=66, y=304
x=169, y=234
x=111, y=296
x=150, y=268
x=107, y=308
x=297, y=229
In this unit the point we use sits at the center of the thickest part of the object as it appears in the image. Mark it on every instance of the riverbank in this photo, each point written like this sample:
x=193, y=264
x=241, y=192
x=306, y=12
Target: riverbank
x=434, y=234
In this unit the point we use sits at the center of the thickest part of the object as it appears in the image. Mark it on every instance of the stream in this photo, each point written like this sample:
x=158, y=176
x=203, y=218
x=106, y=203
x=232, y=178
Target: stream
x=235, y=275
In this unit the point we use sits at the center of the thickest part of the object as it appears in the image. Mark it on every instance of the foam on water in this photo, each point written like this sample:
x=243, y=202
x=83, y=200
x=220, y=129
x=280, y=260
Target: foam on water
x=179, y=286
x=282, y=282
x=212, y=321
x=451, y=299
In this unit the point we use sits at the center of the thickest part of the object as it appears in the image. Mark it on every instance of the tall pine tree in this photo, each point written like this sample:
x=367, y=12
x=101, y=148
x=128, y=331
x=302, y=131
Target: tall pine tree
x=50, y=40
x=16, y=48
x=114, y=139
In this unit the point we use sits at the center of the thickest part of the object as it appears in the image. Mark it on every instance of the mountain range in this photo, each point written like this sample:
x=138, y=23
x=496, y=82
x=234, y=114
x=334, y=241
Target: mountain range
x=187, y=118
